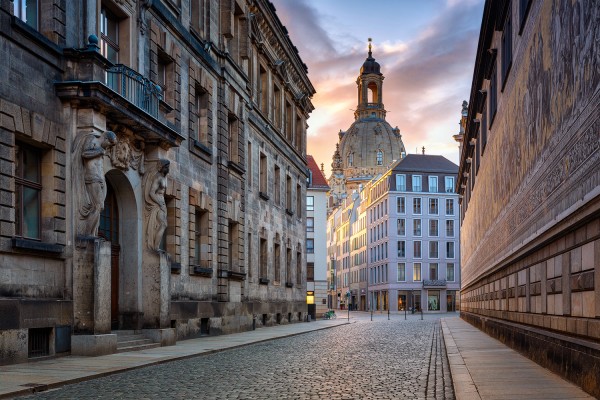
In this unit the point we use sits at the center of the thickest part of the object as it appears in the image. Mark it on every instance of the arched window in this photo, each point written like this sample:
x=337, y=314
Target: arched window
x=350, y=159
x=379, y=157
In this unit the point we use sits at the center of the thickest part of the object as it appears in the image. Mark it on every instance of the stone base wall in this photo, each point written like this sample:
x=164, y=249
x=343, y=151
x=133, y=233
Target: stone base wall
x=574, y=359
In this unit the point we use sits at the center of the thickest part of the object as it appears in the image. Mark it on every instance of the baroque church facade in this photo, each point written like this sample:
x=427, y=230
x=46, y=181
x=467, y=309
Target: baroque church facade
x=370, y=145
x=153, y=173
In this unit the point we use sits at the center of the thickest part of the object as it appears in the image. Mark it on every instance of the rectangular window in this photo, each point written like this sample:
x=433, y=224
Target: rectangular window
x=277, y=107
x=263, y=258
x=109, y=36
x=310, y=224
x=27, y=11
x=299, y=200
x=450, y=227
x=417, y=205
x=201, y=115
x=264, y=90
x=401, y=272
x=233, y=246
x=450, y=272
x=401, y=248
x=277, y=261
x=288, y=193
x=28, y=189
x=401, y=205
x=416, y=183
x=310, y=272
x=263, y=175
x=401, y=226
x=449, y=184
x=233, y=130
x=493, y=95
x=201, y=248
x=433, y=206
x=433, y=227
x=310, y=246
x=277, y=185
x=449, y=249
x=417, y=249
x=298, y=268
x=433, y=271
x=433, y=184
x=416, y=227
x=449, y=206
x=417, y=272
x=506, y=47
x=401, y=182
x=483, y=129
x=433, y=250
x=523, y=11
x=310, y=203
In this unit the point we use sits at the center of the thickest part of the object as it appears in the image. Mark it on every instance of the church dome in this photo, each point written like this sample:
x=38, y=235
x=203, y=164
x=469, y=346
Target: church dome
x=370, y=66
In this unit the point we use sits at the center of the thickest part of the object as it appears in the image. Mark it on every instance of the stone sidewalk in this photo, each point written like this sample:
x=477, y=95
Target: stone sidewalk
x=484, y=368
x=27, y=378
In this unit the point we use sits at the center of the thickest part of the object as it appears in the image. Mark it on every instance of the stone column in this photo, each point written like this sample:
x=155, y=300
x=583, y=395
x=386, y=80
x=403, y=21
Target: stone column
x=102, y=286
x=155, y=290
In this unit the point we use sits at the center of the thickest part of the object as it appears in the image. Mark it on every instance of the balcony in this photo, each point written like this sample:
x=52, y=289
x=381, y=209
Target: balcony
x=122, y=94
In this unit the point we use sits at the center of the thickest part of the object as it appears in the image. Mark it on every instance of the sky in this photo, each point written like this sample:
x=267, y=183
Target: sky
x=426, y=49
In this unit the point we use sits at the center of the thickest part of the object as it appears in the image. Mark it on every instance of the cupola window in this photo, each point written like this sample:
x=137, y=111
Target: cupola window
x=379, y=157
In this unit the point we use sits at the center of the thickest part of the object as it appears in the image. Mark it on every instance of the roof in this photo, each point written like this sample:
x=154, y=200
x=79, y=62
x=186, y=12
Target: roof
x=426, y=163
x=318, y=180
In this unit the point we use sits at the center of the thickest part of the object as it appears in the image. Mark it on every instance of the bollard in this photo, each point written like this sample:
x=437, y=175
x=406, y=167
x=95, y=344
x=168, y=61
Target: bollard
x=388, y=313
x=371, y=315
x=421, y=314
x=405, y=313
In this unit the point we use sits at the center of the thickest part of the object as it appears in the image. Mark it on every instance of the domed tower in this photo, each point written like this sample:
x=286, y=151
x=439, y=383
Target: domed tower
x=370, y=145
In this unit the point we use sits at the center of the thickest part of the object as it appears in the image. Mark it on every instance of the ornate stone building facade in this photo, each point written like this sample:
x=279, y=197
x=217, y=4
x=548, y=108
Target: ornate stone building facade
x=153, y=172
x=370, y=145
x=530, y=184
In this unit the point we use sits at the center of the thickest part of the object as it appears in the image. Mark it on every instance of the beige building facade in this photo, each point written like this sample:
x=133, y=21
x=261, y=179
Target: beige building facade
x=530, y=185
x=154, y=173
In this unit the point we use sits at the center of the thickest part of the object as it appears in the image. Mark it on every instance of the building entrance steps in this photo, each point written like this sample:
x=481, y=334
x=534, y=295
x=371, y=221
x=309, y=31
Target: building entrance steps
x=484, y=368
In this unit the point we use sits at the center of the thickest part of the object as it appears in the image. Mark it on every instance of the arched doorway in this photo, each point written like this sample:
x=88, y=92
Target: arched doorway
x=109, y=230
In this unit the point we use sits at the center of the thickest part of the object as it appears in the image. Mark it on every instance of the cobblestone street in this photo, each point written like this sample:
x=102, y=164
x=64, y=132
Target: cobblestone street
x=383, y=359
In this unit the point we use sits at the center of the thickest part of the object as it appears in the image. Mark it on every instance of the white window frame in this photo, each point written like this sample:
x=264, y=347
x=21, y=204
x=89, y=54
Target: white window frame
x=401, y=267
x=401, y=182
x=415, y=185
x=449, y=184
x=433, y=183
x=415, y=266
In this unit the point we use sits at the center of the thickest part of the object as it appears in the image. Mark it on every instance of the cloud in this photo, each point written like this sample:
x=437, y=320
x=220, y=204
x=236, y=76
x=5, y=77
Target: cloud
x=427, y=75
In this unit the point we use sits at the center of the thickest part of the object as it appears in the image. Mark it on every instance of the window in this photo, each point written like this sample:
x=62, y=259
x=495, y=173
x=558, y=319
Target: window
x=506, y=47
x=416, y=272
x=264, y=90
x=288, y=193
x=401, y=205
x=233, y=129
x=433, y=250
x=310, y=224
x=299, y=200
x=417, y=249
x=201, y=238
x=289, y=119
x=310, y=272
x=450, y=227
x=310, y=203
x=310, y=246
x=483, y=129
x=109, y=36
x=233, y=246
x=401, y=226
x=416, y=183
x=433, y=184
x=523, y=11
x=401, y=183
x=263, y=258
x=379, y=157
x=433, y=300
x=277, y=259
x=417, y=205
x=28, y=188
x=449, y=206
x=298, y=267
x=277, y=185
x=433, y=227
x=200, y=115
x=401, y=248
x=433, y=271
x=277, y=107
x=401, y=272
x=449, y=183
x=417, y=227
x=27, y=11
x=493, y=95
x=199, y=12
x=263, y=174
x=350, y=159
x=450, y=272
x=449, y=249
x=433, y=206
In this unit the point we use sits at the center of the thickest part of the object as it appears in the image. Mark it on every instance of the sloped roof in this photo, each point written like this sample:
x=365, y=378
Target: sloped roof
x=318, y=179
x=426, y=163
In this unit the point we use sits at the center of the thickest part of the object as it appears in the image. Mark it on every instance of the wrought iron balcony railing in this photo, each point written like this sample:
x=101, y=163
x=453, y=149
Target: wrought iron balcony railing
x=134, y=87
